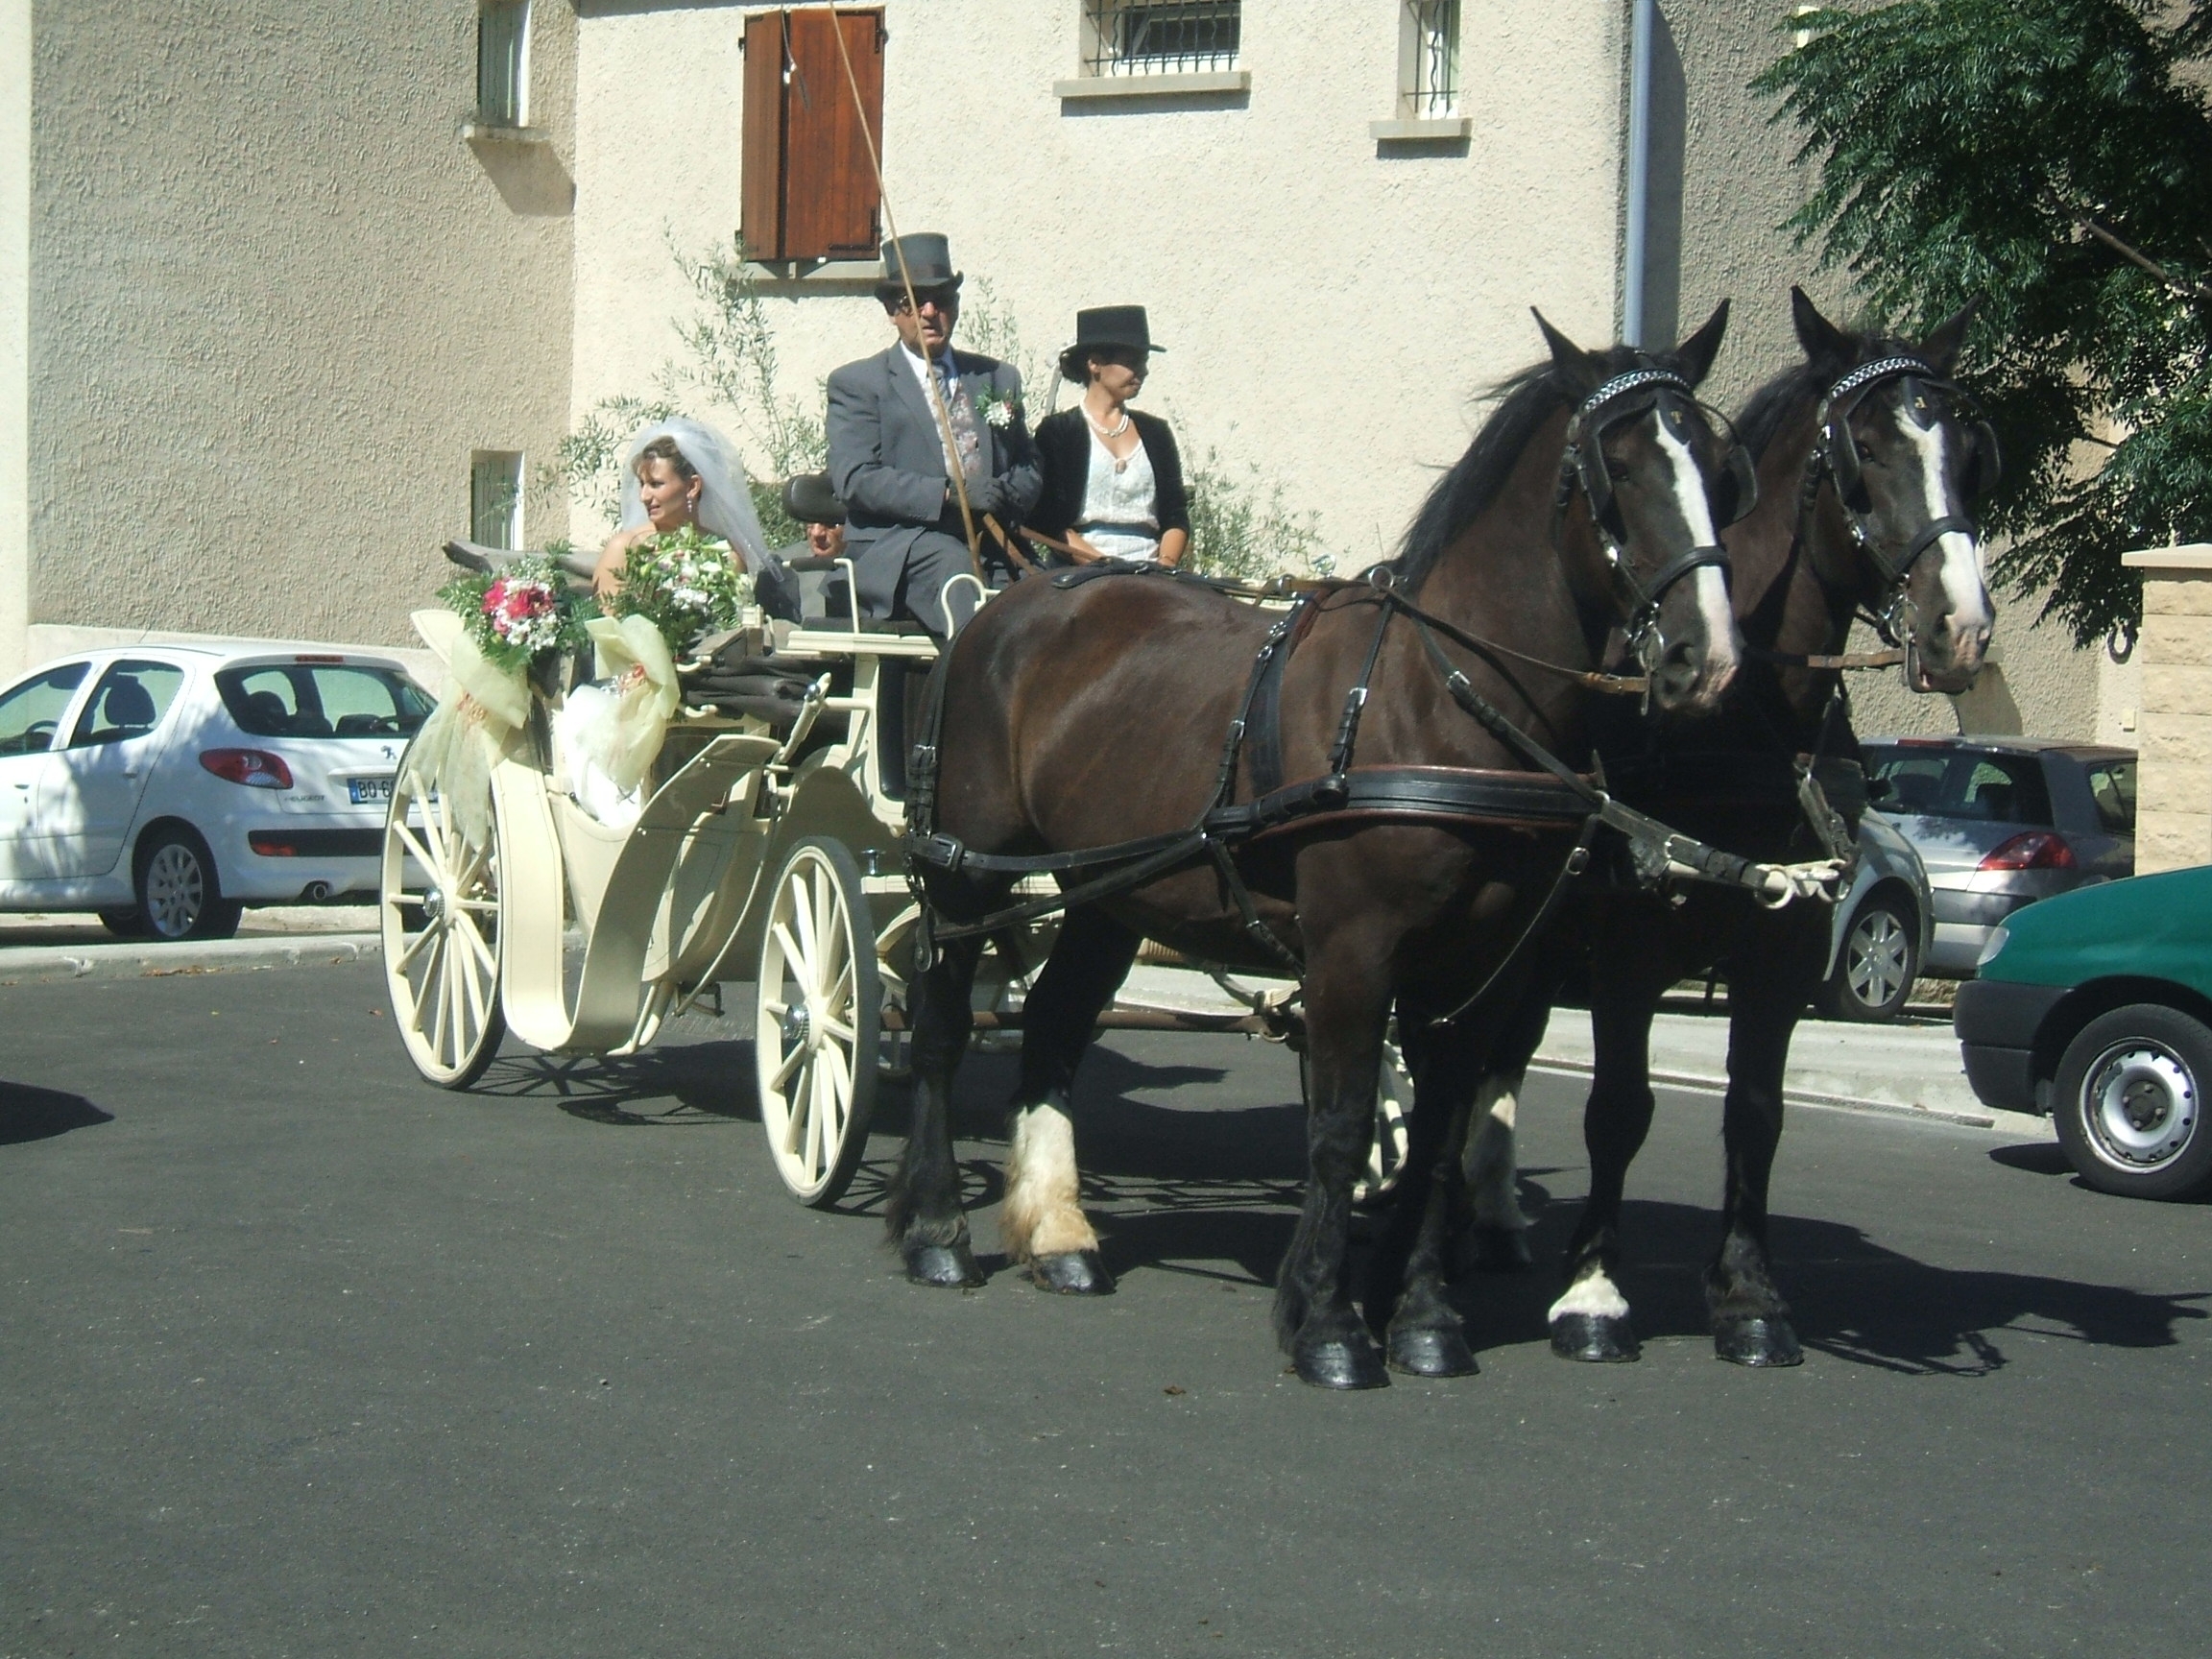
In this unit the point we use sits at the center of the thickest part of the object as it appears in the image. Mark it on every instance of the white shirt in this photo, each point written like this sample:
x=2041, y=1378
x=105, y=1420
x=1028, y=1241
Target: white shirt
x=1121, y=504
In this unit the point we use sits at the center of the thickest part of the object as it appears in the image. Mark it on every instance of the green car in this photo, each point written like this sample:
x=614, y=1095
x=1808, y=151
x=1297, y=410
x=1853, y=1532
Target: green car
x=2096, y=1007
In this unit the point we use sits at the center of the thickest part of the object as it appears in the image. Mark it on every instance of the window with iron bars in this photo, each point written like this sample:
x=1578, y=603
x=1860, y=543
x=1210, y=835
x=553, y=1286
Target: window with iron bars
x=1161, y=37
x=1429, y=59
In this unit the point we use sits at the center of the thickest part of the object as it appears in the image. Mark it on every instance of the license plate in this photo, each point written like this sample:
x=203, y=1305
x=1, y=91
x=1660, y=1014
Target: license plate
x=365, y=791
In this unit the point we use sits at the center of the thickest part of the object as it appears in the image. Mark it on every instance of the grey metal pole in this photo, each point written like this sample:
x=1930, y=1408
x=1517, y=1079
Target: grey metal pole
x=1641, y=31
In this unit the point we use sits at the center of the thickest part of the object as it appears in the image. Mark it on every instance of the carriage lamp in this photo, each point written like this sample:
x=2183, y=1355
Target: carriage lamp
x=256, y=768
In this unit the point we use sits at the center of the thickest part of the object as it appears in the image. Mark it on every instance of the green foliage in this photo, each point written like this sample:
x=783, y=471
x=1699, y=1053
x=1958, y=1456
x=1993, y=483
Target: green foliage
x=1243, y=528
x=733, y=360
x=589, y=464
x=2055, y=158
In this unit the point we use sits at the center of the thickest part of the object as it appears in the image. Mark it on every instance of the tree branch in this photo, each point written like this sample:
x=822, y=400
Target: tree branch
x=2181, y=285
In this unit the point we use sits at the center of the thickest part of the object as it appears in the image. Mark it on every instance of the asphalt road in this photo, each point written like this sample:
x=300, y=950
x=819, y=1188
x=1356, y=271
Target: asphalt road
x=301, y=1357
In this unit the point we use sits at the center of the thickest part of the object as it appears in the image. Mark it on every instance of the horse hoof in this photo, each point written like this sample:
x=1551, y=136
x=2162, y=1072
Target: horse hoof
x=1596, y=1338
x=1502, y=1250
x=1340, y=1364
x=1072, y=1273
x=952, y=1266
x=1432, y=1354
x=1754, y=1339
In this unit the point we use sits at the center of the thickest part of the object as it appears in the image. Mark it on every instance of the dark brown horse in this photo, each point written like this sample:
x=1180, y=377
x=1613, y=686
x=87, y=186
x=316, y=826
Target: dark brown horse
x=1089, y=715
x=1868, y=464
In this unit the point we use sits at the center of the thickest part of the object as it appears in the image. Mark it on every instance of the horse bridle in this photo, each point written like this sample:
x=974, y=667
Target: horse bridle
x=1835, y=459
x=1624, y=398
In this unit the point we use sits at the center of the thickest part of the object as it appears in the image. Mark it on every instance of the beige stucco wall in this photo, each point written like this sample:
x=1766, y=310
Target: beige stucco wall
x=1328, y=310
x=274, y=304
x=14, y=326
x=2174, y=792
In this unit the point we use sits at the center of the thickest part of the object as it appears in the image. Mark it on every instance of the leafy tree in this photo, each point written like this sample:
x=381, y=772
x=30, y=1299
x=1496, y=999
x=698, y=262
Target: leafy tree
x=2054, y=157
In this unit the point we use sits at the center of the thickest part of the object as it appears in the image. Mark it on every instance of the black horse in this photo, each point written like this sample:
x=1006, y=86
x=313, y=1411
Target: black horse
x=1079, y=715
x=1868, y=462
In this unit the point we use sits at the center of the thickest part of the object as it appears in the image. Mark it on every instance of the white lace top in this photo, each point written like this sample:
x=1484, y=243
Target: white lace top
x=1120, y=508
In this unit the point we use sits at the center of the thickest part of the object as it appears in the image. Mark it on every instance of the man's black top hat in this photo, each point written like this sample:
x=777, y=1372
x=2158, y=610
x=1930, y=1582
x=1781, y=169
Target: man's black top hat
x=809, y=500
x=1113, y=325
x=928, y=265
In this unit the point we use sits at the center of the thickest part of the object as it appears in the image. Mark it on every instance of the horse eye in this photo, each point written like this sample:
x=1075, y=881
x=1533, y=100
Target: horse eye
x=1615, y=470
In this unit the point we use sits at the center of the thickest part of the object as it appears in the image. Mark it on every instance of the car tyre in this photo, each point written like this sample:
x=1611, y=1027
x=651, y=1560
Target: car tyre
x=178, y=894
x=2130, y=1103
x=128, y=922
x=1877, y=962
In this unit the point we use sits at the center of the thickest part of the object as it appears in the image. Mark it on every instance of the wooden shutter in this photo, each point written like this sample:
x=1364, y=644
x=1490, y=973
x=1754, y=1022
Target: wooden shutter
x=761, y=204
x=829, y=199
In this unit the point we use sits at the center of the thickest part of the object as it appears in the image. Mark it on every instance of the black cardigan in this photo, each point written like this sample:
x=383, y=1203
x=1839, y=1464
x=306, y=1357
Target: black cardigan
x=1063, y=448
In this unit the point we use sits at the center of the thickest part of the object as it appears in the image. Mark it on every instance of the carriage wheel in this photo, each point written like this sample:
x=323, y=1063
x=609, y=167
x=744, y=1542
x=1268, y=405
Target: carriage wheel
x=441, y=926
x=818, y=1025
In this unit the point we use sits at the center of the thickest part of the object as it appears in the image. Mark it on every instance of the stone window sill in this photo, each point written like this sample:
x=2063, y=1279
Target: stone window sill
x=792, y=277
x=1089, y=86
x=1427, y=130
x=493, y=132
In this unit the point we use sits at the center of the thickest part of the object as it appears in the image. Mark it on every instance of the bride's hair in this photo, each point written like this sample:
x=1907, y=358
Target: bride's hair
x=664, y=449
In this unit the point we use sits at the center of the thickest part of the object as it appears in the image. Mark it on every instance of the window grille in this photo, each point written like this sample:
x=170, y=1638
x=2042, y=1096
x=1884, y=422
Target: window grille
x=1161, y=37
x=502, y=31
x=1429, y=59
x=495, y=498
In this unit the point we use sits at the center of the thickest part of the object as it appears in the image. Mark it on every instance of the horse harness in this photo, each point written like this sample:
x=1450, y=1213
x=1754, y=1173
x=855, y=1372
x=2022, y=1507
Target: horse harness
x=1835, y=459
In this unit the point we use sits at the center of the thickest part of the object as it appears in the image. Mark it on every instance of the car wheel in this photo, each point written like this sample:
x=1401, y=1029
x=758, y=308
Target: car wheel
x=125, y=923
x=179, y=895
x=2130, y=1103
x=1877, y=964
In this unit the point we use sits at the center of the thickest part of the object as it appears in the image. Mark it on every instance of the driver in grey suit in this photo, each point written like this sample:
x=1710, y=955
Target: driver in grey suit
x=888, y=459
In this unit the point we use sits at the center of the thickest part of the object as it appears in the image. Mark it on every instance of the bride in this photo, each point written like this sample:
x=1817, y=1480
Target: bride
x=680, y=472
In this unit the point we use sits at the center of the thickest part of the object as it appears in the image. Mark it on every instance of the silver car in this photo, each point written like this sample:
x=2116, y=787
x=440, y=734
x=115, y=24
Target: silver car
x=2002, y=822
x=1881, y=932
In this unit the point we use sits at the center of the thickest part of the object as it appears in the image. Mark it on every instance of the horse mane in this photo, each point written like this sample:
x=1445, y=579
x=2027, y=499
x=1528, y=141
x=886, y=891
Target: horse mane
x=1797, y=385
x=1523, y=402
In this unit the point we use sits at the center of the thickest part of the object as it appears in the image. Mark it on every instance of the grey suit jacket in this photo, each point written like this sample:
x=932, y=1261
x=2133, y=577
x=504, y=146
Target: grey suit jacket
x=887, y=459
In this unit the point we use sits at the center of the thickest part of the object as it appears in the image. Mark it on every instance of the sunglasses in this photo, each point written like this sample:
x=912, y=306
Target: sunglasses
x=946, y=301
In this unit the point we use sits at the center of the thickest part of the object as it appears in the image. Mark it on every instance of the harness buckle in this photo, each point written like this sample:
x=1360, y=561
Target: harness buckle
x=939, y=850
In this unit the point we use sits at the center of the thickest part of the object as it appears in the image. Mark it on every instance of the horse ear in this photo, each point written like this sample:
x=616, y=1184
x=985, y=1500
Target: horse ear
x=1827, y=347
x=1696, y=355
x=1941, y=346
x=1583, y=370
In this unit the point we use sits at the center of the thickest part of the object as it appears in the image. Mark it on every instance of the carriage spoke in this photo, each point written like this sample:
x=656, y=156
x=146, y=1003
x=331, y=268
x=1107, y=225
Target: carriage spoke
x=792, y=1061
x=789, y=947
x=416, y=947
x=797, y=1099
x=414, y=847
x=803, y=914
x=465, y=926
x=838, y=1028
x=817, y=1086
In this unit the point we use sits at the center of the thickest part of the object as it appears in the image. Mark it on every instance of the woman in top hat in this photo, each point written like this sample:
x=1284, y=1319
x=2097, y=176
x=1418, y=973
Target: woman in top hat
x=1112, y=479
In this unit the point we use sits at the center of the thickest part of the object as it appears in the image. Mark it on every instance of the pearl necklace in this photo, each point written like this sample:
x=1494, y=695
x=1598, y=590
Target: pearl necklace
x=1108, y=433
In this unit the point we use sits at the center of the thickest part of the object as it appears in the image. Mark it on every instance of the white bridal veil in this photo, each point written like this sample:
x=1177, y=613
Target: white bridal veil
x=725, y=503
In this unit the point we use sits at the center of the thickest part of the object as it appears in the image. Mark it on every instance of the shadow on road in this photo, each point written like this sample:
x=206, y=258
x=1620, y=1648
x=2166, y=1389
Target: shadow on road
x=31, y=1114
x=1854, y=1299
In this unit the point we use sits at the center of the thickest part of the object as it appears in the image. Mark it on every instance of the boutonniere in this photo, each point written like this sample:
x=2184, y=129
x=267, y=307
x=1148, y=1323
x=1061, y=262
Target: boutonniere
x=996, y=408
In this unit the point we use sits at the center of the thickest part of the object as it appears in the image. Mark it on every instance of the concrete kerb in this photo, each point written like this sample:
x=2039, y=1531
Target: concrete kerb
x=46, y=965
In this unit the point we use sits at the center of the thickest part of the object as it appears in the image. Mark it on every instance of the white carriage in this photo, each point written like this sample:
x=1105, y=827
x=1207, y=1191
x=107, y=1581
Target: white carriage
x=760, y=859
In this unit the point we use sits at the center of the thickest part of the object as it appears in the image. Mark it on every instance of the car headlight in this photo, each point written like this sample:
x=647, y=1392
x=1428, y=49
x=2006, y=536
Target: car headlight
x=1990, y=946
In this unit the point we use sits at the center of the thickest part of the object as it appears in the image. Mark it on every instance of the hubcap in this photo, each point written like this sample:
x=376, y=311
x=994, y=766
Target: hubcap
x=1878, y=959
x=433, y=907
x=2139, y=1104
x=176, y=889
x=798, y=1029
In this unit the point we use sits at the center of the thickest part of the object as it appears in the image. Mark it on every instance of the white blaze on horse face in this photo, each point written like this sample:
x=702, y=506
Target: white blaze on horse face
x=1964, y=590
x=1041, y=1215
x=1593, y=1294
x=1490, y=1166
x=1712, y=589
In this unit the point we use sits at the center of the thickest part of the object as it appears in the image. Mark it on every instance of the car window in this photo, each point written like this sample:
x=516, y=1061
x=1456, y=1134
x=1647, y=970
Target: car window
x=1985, y=787
x=129, y=701
x=300, y=700
x=2112, y=786
x=30, y=713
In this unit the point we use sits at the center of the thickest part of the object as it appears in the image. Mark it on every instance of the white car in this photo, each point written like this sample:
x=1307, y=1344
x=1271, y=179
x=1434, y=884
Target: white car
x=169, y=786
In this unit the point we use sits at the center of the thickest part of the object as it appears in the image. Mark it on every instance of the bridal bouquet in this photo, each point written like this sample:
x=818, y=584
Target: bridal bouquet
x=685, y=585
x=515, y=617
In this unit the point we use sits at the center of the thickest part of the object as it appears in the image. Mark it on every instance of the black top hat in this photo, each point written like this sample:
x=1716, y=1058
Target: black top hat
x=928, y=265
x=1113, y=325
x=809, y=500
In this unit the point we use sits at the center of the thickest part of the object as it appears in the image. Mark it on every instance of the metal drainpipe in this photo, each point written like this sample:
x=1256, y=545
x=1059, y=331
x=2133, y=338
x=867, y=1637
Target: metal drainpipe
x=1641, y=29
